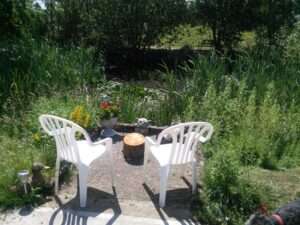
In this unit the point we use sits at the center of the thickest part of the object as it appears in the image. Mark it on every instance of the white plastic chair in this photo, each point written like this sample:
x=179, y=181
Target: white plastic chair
x=184, y=140
x=79, y=152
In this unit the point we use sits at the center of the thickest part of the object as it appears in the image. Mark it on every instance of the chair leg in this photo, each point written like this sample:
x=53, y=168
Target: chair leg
x=194, y=177
x=57, y=175
x=164, y=173
x=145, y=163
x=83, y=177
x=112, y=169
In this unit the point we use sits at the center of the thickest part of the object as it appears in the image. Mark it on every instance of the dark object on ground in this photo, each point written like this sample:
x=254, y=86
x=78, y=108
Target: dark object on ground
x=286, y=215
x=37, y=179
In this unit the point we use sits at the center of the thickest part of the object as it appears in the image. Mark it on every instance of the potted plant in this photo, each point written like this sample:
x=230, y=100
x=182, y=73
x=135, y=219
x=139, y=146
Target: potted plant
x=108, y=114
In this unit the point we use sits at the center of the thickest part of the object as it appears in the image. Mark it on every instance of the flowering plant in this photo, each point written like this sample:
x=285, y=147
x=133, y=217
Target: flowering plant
x=80, y=116
x=108, y=110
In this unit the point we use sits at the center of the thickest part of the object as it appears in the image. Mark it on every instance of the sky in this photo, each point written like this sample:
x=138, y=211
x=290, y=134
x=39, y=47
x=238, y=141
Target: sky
x=41, y=3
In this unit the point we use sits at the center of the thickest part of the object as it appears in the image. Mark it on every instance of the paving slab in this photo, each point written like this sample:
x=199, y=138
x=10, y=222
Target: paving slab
x=67, y=216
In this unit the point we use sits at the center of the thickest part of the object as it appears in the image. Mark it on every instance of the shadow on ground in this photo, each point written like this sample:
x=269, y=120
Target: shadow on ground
x=72, y=214
x=174, y=205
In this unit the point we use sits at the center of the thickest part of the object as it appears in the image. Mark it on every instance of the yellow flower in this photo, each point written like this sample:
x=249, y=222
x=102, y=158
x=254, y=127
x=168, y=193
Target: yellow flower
x=80, y=116
x=36, y=137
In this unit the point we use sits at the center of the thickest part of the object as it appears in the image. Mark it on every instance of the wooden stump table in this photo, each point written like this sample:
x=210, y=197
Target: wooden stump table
x=134, y=144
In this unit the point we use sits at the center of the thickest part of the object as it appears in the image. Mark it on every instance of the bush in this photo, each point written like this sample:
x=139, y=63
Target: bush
x=17, y=154
x=293, y=44
x=80, y=116
x=114, y=24
x=229, y=199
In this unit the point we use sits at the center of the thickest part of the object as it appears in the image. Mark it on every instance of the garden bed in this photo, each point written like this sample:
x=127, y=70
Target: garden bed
x=124, y=128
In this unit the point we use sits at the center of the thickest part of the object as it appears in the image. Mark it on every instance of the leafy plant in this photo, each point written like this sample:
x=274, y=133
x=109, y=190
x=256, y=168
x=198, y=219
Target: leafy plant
x=229, y=198
x=108, y=110
x=80, y=116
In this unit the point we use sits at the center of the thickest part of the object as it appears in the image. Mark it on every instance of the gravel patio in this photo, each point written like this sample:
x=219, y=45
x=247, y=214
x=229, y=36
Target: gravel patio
x=129, y=183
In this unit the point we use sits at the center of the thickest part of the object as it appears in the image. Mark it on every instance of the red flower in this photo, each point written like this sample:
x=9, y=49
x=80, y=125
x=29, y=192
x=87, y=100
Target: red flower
x=104, y=105
x=263, y=209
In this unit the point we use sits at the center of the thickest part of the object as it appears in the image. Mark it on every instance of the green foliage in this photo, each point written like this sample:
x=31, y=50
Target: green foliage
x=293, y=44
x=30, y=68
x=275, y=16
x=135, y=102
x=113, y=24
x=18, y=155
x=186, y=35
x=254, y=109
x=18, y=18
x=13, y=17
x=80, y=116
x=282, y=186
x=25, y=143
x=227, y=19
x=228, y=197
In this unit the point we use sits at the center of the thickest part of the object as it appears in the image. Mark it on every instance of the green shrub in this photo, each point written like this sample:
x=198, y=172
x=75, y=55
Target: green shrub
x=293, y=44
x=80, y=116
x=186, y=35
x=229, y=199
x=17, y=154
x=252, y=110
x=22, y=146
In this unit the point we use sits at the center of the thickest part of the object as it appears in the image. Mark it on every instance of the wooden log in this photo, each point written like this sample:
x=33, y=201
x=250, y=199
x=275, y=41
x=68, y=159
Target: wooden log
x=134, y=146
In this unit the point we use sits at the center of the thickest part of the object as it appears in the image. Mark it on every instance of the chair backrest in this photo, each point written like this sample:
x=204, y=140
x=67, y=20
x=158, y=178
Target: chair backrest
x=185, y=138
x=64, y=133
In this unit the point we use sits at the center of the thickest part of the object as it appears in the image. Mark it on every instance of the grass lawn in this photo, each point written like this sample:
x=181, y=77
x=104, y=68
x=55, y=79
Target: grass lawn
x=282, y=186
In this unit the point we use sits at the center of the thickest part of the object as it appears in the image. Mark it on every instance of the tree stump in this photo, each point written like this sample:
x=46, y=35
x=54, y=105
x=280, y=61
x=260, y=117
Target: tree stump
x=134, y=147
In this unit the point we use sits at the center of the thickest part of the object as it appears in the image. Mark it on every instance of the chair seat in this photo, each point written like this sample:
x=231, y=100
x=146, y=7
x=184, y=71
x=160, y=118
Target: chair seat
x=162, y=153
x=88, y=153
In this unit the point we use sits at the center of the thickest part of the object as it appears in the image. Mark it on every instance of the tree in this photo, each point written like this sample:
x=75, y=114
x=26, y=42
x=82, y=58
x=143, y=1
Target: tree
x=19, y=18
x=137, y=24
x=114, y=24
x=12, y=17
x=227, y=19
x=276, y=14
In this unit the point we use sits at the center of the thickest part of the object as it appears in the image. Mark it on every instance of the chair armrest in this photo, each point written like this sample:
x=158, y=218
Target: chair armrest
x=149, y=141
x=106, y=141
x=203, y=139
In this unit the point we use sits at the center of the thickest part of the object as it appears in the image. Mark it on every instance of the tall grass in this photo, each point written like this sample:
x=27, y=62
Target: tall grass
x=254, y=109
x=30, y=68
